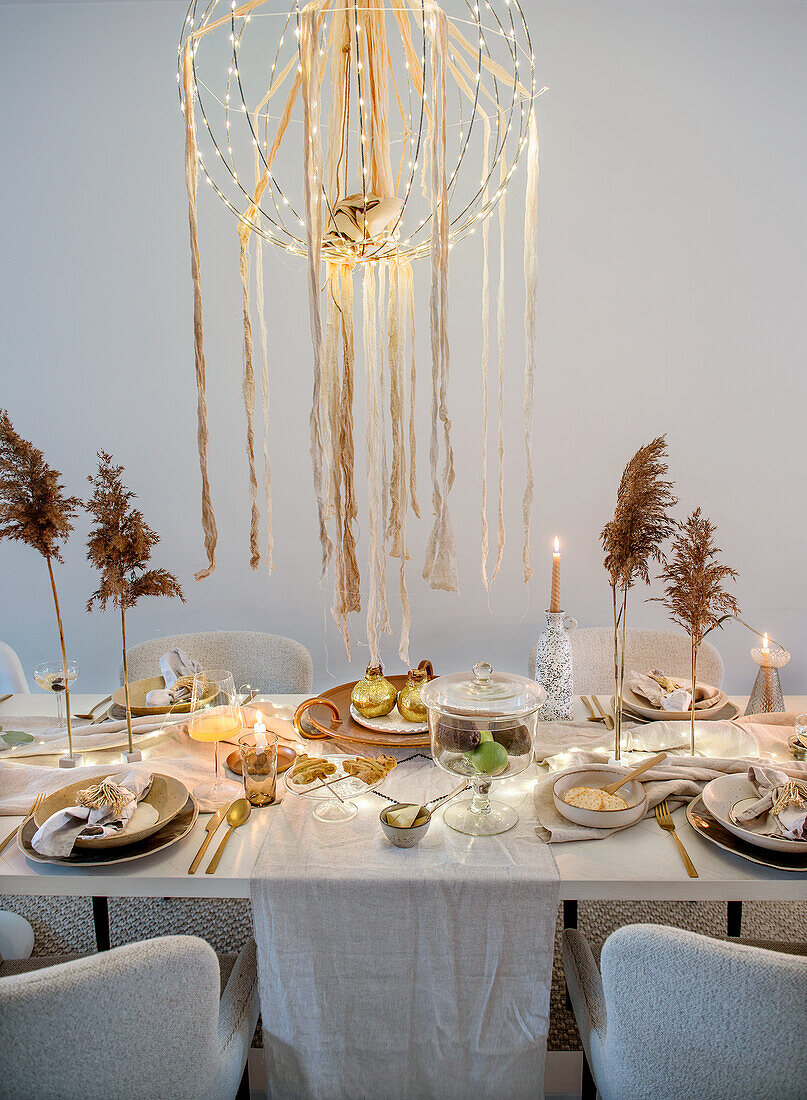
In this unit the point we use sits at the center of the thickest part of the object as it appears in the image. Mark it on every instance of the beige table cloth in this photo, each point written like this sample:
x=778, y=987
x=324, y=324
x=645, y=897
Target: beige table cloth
x=392, y=973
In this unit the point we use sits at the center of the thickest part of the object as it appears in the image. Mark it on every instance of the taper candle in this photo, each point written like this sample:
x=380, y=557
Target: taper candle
x=554, y=598
x=259, y=729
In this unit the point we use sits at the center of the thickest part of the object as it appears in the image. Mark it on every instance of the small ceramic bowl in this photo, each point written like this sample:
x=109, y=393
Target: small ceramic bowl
x=404, y=838
x=600, y=775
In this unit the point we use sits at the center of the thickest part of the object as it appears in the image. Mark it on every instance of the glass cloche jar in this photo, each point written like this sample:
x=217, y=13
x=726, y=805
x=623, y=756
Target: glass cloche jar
x=482, y=727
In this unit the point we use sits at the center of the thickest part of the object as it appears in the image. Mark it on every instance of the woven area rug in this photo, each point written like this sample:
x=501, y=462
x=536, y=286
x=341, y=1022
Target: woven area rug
x=64, y=926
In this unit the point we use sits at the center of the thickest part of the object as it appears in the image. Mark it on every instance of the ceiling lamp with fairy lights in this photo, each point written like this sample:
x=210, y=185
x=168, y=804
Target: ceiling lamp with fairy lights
x=364, y=136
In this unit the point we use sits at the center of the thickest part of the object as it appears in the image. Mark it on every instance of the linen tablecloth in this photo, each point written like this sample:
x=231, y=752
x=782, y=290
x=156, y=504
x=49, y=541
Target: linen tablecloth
x=392, y=973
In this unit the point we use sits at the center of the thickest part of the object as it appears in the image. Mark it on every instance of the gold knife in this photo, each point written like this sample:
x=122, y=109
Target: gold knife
x=213, y=823
x=609, y=722
x=592, y=716
x=4, y=697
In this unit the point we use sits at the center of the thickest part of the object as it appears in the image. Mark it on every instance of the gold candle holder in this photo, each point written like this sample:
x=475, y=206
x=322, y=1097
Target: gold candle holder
x=259, y=767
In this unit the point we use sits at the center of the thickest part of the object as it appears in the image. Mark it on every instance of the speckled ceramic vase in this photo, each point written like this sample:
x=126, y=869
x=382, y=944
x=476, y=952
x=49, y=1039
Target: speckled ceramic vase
x=553, y=667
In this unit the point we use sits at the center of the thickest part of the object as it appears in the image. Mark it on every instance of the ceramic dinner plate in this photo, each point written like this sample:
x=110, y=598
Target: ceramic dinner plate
x=175, y=830
x=138, y=689
x=641, y=707
x=727, y=796
x=166, y=796
x=715, y=739
x=711, y=829
x=389, y=723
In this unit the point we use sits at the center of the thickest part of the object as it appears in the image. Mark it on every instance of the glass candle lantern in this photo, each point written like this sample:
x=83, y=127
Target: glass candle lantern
x=259, y=767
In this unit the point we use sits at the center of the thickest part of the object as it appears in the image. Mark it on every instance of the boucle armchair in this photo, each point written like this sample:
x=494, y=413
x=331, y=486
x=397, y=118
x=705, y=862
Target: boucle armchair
x=674, y=1015
x=146, y=1019
x=12, y=674
x=593, y=658
x=268, y=662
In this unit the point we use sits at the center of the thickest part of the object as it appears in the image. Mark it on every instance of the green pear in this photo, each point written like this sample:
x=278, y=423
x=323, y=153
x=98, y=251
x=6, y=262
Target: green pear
x=489, y=758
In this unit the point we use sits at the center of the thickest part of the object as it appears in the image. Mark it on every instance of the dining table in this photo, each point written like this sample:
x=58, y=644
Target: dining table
x=639, y=864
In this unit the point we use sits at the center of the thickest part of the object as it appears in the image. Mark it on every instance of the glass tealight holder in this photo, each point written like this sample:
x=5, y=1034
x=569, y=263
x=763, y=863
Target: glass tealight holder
x=259, y=767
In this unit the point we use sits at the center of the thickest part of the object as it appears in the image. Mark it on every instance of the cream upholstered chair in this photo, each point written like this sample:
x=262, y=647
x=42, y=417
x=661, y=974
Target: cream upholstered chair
x=12, y=674
x=593, y=657
x=674, y=1015
x=268, y=662
x=147, y=1019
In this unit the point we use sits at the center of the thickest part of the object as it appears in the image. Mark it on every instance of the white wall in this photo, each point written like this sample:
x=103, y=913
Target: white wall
x=672, y=300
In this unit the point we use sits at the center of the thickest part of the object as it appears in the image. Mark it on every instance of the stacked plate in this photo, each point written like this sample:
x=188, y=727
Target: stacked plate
x=715, y=816
x=164, y=816
x=633, y=704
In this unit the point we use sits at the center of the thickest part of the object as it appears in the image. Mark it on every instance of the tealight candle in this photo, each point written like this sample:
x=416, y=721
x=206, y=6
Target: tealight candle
x=259, y=729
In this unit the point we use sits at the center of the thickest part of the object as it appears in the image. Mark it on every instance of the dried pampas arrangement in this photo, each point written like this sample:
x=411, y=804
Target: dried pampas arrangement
x=695, y=595
x=120, y=548
x=631, y=541
x=35, y=510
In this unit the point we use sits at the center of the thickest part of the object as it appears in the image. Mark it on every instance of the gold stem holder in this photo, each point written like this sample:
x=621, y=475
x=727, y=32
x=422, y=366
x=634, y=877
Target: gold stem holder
x=766, y=695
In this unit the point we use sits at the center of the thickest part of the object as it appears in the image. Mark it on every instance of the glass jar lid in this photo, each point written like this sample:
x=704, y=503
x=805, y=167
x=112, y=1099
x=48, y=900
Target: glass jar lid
x=483, y=693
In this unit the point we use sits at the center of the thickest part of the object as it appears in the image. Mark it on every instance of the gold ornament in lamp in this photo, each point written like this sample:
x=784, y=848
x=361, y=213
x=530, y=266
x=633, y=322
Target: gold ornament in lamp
x=374, y=696
x=410, y=705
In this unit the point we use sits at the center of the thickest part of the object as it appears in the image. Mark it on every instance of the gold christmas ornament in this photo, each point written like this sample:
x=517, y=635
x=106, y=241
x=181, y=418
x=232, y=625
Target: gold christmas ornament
x=374, y=696
x=410, y=705
x=405, y=122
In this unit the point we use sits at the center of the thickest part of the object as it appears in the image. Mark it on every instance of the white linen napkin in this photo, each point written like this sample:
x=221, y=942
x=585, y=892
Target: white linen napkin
x=60, y=832
x=770, y=785
x=677, y=700
x=173, y=665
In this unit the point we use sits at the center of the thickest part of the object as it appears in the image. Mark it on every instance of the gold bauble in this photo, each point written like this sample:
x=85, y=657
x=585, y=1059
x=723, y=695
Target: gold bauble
x=374, y=696
x=410, y=706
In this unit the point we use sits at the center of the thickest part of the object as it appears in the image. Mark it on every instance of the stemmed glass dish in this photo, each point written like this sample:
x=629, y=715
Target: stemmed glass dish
x=483, y=728
x=215, y=715
x=50, y=676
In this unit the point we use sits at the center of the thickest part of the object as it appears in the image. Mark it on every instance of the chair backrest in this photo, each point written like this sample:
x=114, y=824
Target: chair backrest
x=140, y=1020
x=12, y=674
x=268, y=662
x=688, y=1016
x=593, y=657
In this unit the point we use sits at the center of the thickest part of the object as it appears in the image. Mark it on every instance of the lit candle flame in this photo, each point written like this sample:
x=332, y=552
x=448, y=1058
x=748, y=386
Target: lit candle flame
x=557, y=545
x=259, y=729
x=765, y=643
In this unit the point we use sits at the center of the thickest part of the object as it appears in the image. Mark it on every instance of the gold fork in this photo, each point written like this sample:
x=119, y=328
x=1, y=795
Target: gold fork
x=664, y=818
x=40, y=798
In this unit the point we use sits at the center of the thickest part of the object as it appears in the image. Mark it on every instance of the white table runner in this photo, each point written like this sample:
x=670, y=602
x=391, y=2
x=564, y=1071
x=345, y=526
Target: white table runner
x=404, y=973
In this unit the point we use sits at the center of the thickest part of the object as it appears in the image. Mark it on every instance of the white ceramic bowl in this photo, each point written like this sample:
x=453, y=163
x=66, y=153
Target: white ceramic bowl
x=600, y=775
x=403, y=838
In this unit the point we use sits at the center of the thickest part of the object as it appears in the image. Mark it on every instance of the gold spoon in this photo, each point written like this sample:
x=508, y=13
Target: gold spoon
x=237, y=814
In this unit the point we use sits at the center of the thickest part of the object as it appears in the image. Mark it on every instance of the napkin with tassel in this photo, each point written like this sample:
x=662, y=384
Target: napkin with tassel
x=782, y=799
x=102, y=809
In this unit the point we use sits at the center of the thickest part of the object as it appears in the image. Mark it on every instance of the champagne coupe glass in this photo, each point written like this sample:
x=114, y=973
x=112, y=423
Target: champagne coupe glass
x=50, y=676
x=215, y=715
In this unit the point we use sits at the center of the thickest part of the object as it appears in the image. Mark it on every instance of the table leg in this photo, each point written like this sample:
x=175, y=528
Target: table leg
x=243, y=1087
x=734, y=918
x=588, y=1089
x=569, y=921
x=100, y=919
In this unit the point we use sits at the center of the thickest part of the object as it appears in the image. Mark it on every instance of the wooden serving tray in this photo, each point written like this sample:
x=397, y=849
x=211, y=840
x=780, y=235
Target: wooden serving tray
x=323, y=723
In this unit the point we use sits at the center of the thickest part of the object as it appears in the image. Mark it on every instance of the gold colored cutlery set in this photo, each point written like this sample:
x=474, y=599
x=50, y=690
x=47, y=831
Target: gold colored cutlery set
x=236, y=814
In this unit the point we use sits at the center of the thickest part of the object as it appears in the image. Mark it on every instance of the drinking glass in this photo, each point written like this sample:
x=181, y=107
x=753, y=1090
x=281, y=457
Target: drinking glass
x=50, y=676
x=215, y=715
x=259, y=767
x=801, y=729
